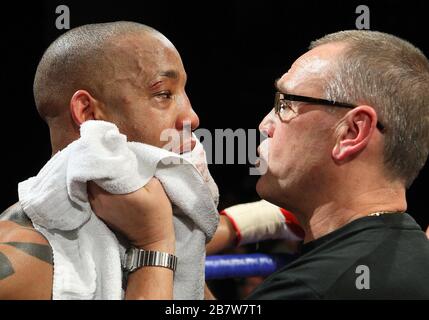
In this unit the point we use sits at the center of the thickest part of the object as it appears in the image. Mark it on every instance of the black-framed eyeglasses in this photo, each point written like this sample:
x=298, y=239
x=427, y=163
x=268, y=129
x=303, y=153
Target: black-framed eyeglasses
x=282, y=103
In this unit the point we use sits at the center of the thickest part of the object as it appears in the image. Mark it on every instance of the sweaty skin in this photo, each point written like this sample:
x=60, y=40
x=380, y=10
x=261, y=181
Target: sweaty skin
x=145, y=95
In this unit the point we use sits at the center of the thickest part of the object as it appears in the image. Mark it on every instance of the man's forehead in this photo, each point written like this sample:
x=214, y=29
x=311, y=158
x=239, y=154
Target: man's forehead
x=310, y=66
x=302, y=71
x=148, y=57
x=148, y=46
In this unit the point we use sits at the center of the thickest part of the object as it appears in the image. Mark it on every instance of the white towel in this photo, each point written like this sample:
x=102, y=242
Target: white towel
x=87, y=255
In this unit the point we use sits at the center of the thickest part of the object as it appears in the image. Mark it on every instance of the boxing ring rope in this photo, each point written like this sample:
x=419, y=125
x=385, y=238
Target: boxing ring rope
x=244, y=265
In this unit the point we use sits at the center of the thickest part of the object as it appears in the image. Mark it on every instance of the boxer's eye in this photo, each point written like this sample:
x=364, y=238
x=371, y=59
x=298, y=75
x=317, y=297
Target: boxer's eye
x=164, y=94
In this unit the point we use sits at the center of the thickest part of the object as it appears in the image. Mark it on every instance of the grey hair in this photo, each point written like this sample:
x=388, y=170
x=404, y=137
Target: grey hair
x=77, y=60
x=392, y=76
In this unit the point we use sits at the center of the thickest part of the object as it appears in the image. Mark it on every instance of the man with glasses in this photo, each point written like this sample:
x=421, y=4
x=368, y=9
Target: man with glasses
x=349, y=132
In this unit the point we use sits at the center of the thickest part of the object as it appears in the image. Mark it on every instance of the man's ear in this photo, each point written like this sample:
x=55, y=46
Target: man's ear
x=354, y=133
x=83, y=107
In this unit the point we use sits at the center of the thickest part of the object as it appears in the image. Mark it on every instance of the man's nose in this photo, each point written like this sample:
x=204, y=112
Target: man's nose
x=267, y=125
x=187, y=116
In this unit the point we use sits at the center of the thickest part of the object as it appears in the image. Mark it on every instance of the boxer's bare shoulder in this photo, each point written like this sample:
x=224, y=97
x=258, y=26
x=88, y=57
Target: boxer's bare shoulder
x=25, y=258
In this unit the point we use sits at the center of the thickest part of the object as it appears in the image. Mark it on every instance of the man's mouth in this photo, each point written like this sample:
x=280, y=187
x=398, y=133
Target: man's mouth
x=262, y=150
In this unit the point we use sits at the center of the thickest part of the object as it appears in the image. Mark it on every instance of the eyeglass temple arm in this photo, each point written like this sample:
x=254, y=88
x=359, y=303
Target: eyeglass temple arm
x=293, y=97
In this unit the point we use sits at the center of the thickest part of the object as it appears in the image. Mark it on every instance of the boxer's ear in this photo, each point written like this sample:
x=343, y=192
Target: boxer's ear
x=353, y=133
x=84, y=107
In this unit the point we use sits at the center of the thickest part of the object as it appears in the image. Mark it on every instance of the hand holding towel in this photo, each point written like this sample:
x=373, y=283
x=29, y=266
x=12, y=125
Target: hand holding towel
x=86, y=253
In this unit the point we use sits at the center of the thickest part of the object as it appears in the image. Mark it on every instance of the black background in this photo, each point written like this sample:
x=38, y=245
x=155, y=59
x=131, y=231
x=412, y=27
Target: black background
x=232, y=52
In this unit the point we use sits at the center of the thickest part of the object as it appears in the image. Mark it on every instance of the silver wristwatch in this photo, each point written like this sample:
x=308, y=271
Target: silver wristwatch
x=136, y=258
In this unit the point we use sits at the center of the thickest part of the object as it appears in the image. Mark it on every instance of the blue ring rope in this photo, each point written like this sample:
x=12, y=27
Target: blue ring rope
x=244, y=265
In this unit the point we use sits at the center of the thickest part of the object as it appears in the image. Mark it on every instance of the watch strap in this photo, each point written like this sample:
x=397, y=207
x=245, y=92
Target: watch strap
x=136, y=258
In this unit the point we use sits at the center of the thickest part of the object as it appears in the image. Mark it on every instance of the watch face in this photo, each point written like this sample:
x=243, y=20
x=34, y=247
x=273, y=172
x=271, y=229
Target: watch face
x=130, y=261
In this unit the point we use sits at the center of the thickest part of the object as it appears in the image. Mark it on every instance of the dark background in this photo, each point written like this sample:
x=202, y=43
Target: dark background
x=232, y=52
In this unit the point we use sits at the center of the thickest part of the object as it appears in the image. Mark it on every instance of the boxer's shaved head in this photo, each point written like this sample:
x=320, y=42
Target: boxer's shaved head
x=85, y=58
x=122, y=72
